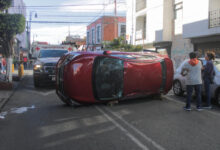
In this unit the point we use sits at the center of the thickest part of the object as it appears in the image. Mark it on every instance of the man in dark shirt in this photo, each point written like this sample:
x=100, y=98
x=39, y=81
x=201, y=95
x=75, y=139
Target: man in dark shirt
x=208, y=77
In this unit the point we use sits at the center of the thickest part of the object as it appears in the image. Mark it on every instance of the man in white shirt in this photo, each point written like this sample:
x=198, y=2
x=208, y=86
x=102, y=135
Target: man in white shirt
x=192, y=71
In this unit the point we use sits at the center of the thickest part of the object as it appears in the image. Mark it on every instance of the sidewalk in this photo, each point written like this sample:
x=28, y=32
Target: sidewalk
x=5, y=95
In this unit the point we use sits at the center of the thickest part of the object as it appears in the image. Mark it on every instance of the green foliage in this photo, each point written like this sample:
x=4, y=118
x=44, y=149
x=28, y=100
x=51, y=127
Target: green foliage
x=10, y=25
x=121, y=45
x=5, y=4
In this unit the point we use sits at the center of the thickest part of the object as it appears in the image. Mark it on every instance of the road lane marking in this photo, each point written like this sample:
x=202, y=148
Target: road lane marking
x=134, y=139
x=41, y=93
x=159, y=147
x=78, y=137
x=173, y=100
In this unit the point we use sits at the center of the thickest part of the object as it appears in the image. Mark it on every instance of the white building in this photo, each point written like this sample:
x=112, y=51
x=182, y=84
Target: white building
x=18, y=7
x=176, y=26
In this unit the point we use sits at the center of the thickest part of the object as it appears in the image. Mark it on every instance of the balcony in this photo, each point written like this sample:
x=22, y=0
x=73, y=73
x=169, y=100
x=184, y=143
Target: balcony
x=140, y=5
x=214, y=18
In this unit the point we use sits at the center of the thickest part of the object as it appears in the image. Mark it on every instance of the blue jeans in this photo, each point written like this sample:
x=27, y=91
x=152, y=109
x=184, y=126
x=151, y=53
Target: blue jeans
x=189, y=89
x=207, y=91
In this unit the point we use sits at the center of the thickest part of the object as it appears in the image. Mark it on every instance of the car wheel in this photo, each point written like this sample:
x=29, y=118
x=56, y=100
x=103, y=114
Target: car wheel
x=177, y=88
x=36, y=83
x=218, y=97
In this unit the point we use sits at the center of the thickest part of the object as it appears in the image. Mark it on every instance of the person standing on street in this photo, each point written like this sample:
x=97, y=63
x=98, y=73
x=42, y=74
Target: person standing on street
x=192, y=71
x=3, y=65
x=208, y=77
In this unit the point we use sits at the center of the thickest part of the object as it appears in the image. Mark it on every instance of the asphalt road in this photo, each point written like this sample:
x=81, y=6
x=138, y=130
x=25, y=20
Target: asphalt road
x=35, y=119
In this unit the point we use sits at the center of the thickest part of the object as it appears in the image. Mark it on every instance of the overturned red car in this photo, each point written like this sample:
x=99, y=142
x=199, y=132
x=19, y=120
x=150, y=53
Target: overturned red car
x=90, y=77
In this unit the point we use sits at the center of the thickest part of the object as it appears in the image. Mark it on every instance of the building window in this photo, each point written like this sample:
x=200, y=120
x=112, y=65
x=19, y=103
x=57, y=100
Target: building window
x=178, y=11
x=214, y=18
x=87, y=38
x=98, y=34
x=93, y=36
x=123, y=30
x=140, y=28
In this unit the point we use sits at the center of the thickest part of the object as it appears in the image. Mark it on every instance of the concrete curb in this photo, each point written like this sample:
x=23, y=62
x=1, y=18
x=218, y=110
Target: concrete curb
x=4, y=101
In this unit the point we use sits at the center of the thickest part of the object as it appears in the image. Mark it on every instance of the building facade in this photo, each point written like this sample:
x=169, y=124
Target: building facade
x=175, y=27
x=104, y=29
x=18, y=7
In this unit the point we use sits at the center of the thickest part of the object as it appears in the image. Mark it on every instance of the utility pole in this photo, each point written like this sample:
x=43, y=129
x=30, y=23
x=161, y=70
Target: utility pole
x=115, y=22
x=132, y=23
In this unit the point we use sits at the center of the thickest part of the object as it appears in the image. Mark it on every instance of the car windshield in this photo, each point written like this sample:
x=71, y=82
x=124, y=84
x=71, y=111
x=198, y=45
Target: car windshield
x=51, y=53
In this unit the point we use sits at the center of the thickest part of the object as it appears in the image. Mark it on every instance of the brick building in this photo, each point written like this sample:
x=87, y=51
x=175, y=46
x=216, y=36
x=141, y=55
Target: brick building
x=104, y=29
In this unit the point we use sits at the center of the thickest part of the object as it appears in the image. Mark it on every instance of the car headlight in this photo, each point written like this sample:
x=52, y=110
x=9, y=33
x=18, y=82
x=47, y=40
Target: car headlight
x=37, y=67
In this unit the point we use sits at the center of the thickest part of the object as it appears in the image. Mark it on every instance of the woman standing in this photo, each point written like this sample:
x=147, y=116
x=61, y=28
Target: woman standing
x=208, y=77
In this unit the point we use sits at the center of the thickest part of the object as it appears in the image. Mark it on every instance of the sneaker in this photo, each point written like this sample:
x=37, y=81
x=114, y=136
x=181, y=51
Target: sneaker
x=199, y=109
x=187, y=108
x=207, y=107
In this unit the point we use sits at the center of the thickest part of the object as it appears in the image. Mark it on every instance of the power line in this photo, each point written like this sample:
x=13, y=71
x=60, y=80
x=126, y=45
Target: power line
x=44, y=6
x=62, y=22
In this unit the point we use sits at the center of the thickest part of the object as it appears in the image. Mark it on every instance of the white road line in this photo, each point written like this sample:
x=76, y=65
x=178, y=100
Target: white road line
x=173, y=100
x=41, y=93
x=133, y=138
x=48, y=93
x=159, y=147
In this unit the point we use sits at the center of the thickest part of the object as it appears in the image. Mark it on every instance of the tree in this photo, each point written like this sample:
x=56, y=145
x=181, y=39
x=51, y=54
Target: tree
x=10, y=25
x=120, y=44
x=5, y=4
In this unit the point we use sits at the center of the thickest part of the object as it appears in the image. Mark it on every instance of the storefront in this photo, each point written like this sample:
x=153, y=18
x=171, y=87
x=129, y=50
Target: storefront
x=202, y=45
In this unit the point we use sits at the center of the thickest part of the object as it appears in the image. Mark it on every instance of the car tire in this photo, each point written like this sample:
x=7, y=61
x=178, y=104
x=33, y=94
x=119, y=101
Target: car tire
x=217, y=97
x=177, y=88
x=36, y=83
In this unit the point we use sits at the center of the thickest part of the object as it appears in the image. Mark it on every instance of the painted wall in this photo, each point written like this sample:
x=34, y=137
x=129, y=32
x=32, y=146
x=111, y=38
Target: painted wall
x=195, y=19
x=180, y=50
x=214, y=4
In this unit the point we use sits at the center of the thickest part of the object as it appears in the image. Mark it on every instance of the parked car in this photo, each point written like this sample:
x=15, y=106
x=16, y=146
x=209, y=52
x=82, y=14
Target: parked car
x=179, y=86
x=90, y=77
x=45, y=66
